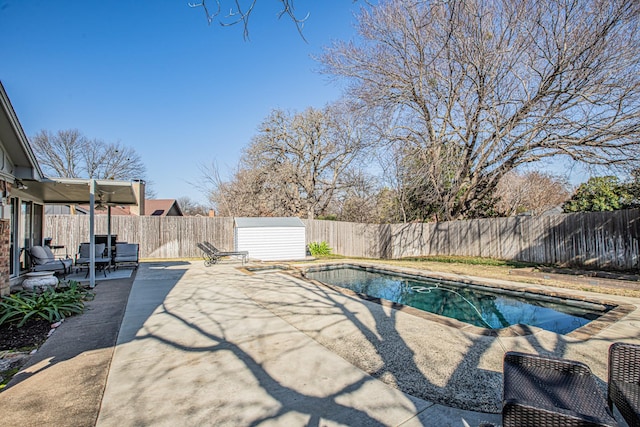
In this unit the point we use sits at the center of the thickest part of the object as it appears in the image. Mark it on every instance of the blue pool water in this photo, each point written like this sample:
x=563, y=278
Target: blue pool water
x=480, y=307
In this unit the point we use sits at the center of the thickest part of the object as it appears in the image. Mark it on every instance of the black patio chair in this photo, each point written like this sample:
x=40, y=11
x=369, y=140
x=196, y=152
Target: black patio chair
x=624, y=381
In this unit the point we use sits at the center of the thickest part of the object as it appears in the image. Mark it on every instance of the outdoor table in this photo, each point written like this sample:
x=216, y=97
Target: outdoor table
x=102, y=264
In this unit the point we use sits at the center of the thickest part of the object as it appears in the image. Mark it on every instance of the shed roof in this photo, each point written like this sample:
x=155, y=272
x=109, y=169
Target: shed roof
x=263, y=222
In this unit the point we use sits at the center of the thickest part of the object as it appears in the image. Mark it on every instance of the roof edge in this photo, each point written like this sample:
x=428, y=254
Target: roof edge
x=19, y=131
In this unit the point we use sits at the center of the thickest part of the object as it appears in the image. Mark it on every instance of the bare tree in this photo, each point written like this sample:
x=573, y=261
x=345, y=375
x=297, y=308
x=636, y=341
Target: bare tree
x=60, y=154
x=190, y=207
x=112, y=161
x=238, y=12
x=533, y=192
x=357, y=201
x=240, y=195
x=393, y=201
x=294, y=166
x=311, y=152
x=474, y=89
x=70, y=154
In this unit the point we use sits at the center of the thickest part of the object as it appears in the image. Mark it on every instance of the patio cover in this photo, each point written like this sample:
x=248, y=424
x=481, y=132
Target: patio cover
x=77, y=190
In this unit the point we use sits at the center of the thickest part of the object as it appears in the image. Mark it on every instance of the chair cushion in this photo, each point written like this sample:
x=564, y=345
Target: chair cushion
x=85, y=250
x=54, y=265
x=50, y=254
x=39, y=255
x=100, y=247
x=126, y=258
x=126, y=250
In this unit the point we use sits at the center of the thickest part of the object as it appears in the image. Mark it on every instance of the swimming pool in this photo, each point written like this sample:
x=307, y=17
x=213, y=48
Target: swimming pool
x=480, y=306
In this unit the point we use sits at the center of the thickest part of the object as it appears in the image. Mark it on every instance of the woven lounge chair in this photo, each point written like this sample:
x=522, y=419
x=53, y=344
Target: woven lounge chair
x=42, y=259
x=624, y=381
x=548, y=391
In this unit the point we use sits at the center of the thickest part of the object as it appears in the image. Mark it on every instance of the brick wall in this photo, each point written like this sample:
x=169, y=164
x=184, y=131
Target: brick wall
x=5, y=245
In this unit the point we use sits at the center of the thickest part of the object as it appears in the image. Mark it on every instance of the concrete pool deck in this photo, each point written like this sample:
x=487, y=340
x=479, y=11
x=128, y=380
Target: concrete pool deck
x=216, y=346
x=199, y=346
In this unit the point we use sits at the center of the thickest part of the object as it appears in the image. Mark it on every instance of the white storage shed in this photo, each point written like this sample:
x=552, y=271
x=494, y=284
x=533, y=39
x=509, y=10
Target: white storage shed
x=271, y=239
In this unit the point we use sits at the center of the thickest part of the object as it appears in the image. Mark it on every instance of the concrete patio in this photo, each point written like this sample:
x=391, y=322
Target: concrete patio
x=216, y=346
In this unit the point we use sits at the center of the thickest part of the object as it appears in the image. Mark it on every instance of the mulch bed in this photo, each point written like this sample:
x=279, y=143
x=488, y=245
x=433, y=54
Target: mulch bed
x=31, y=334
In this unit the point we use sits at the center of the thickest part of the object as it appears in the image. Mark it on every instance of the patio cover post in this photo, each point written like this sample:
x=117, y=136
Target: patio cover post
x=92, y=233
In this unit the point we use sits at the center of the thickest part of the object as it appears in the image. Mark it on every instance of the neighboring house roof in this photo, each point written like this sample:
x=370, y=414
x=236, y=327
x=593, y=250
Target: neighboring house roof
x=244, y=222
x=162, y=207
x=152, y=207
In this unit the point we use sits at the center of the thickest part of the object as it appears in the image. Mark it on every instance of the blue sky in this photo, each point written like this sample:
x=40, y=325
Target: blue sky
x=154, y=76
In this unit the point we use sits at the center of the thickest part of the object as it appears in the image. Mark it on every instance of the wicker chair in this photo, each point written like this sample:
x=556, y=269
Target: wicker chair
x=624, y=381
x=548, y=391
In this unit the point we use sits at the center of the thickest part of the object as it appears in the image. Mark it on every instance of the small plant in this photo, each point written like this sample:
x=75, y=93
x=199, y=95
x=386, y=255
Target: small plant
x=6, y=377
x=51, y=305
x=319, y=249
x=73, y=289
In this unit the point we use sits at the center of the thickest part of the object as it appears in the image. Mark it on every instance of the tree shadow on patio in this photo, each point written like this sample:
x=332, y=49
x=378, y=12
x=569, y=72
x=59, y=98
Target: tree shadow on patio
x=201, y=358
x=424, y=359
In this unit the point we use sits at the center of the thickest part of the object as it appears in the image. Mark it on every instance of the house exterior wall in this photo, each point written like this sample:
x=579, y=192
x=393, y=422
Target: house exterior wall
x=17, y=163
x=271, y=243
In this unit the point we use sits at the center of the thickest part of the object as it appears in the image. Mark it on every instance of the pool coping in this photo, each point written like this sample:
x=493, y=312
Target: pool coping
x=618, y=311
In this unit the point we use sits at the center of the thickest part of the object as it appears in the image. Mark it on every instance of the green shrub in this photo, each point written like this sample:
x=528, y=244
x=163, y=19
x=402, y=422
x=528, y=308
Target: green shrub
x=51, y=305
x=319, y=249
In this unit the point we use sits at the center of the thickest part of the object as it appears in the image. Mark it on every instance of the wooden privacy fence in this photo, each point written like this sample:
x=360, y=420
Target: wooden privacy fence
x=595, y=239
x=158, y=237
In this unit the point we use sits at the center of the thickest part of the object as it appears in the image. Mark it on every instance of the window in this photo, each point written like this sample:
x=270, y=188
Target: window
x=26, y=231
x=25, y=234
